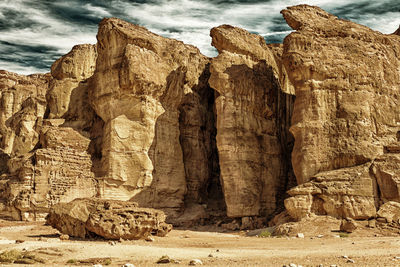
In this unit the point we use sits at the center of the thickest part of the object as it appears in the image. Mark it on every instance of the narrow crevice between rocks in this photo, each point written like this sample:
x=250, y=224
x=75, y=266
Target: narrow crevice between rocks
x=204, y=199
x=377, y=189
x=284, y=110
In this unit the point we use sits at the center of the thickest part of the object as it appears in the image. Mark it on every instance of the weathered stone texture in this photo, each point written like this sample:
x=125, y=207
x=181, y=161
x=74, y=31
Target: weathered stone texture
x=346, y=112
x=60, y=171
x=110, y=219
x=23, y=104
x=346, y=78
x=144, y=118
x=250, y=146
x=149, y=92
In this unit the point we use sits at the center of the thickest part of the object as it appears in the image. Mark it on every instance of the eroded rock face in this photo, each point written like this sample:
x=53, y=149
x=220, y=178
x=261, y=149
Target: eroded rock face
x=23, y=105
x=344, y=193
x=110, y=219
x=346, y=112
x=335, y=65
x=60, y=171
x=152, y=95
x=49, y=163
x=67, y=96
x=249, y=140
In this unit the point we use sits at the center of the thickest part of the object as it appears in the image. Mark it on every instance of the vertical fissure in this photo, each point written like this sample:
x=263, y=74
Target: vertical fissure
x=197, y=126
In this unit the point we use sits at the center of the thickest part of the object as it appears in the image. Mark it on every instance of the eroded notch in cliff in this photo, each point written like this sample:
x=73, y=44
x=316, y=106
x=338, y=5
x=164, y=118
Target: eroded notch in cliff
x=197, y=125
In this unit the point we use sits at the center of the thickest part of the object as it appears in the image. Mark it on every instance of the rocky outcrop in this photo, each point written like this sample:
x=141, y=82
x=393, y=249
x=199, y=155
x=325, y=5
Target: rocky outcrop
x=110, y=219
x=251, y=131
x=49, y=162
x=152, y=94
x=59, y=171
x=23, y=105
x=344, y=193
x=346, y=112
x=67, y=96
x=390, y=211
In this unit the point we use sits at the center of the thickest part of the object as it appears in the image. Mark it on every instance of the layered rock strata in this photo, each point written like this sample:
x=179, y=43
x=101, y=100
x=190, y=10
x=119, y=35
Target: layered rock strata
x=49, y=162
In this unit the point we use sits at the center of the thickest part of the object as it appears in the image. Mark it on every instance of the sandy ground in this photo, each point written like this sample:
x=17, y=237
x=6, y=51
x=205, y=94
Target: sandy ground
x=226, y=249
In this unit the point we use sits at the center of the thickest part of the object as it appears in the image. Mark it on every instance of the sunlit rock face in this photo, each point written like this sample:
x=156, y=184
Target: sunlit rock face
x=152, y=94
x=250, y=133
x=346, y=113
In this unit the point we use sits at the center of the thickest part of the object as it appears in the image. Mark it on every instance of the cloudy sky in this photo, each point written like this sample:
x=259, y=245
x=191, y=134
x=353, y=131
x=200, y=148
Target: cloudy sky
x=34, y=33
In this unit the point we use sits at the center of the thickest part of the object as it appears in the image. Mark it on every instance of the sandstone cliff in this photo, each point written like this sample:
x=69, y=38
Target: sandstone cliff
x=251, y=130
x=346, y=113
x=143, y=118
x=153, y=96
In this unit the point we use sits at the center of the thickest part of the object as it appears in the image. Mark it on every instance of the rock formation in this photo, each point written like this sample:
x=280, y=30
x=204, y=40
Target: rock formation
x=110, y=219
x=346, y=115
x=46, y=129
x=153, y=96
x=250, y=132
x=139, y=117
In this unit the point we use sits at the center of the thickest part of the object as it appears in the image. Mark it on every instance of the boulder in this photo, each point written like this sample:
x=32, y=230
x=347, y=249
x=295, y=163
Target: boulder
x=348, y=225
x=110, y=219
x=390, y=211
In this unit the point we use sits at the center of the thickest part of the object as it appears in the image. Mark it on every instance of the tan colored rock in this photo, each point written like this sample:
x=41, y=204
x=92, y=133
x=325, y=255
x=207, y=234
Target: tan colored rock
x=139, y=87
x=335, y=65
x=110, y=219
x=60, y=171
x=250, y=133
x=68, y=92
x=23, y=104
x=346, y=113
x=390, y=211
x=348, y=225
x=387, y=172
x=344, y=193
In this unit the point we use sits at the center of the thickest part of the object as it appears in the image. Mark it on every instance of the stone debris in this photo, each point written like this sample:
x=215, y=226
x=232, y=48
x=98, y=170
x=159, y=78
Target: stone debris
x=128, y=265
x=166, y=259
x=195, y=262
x=110, y=219
x=300, y=235
x=64, y=237
x=348, y=225
x=149, y=239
